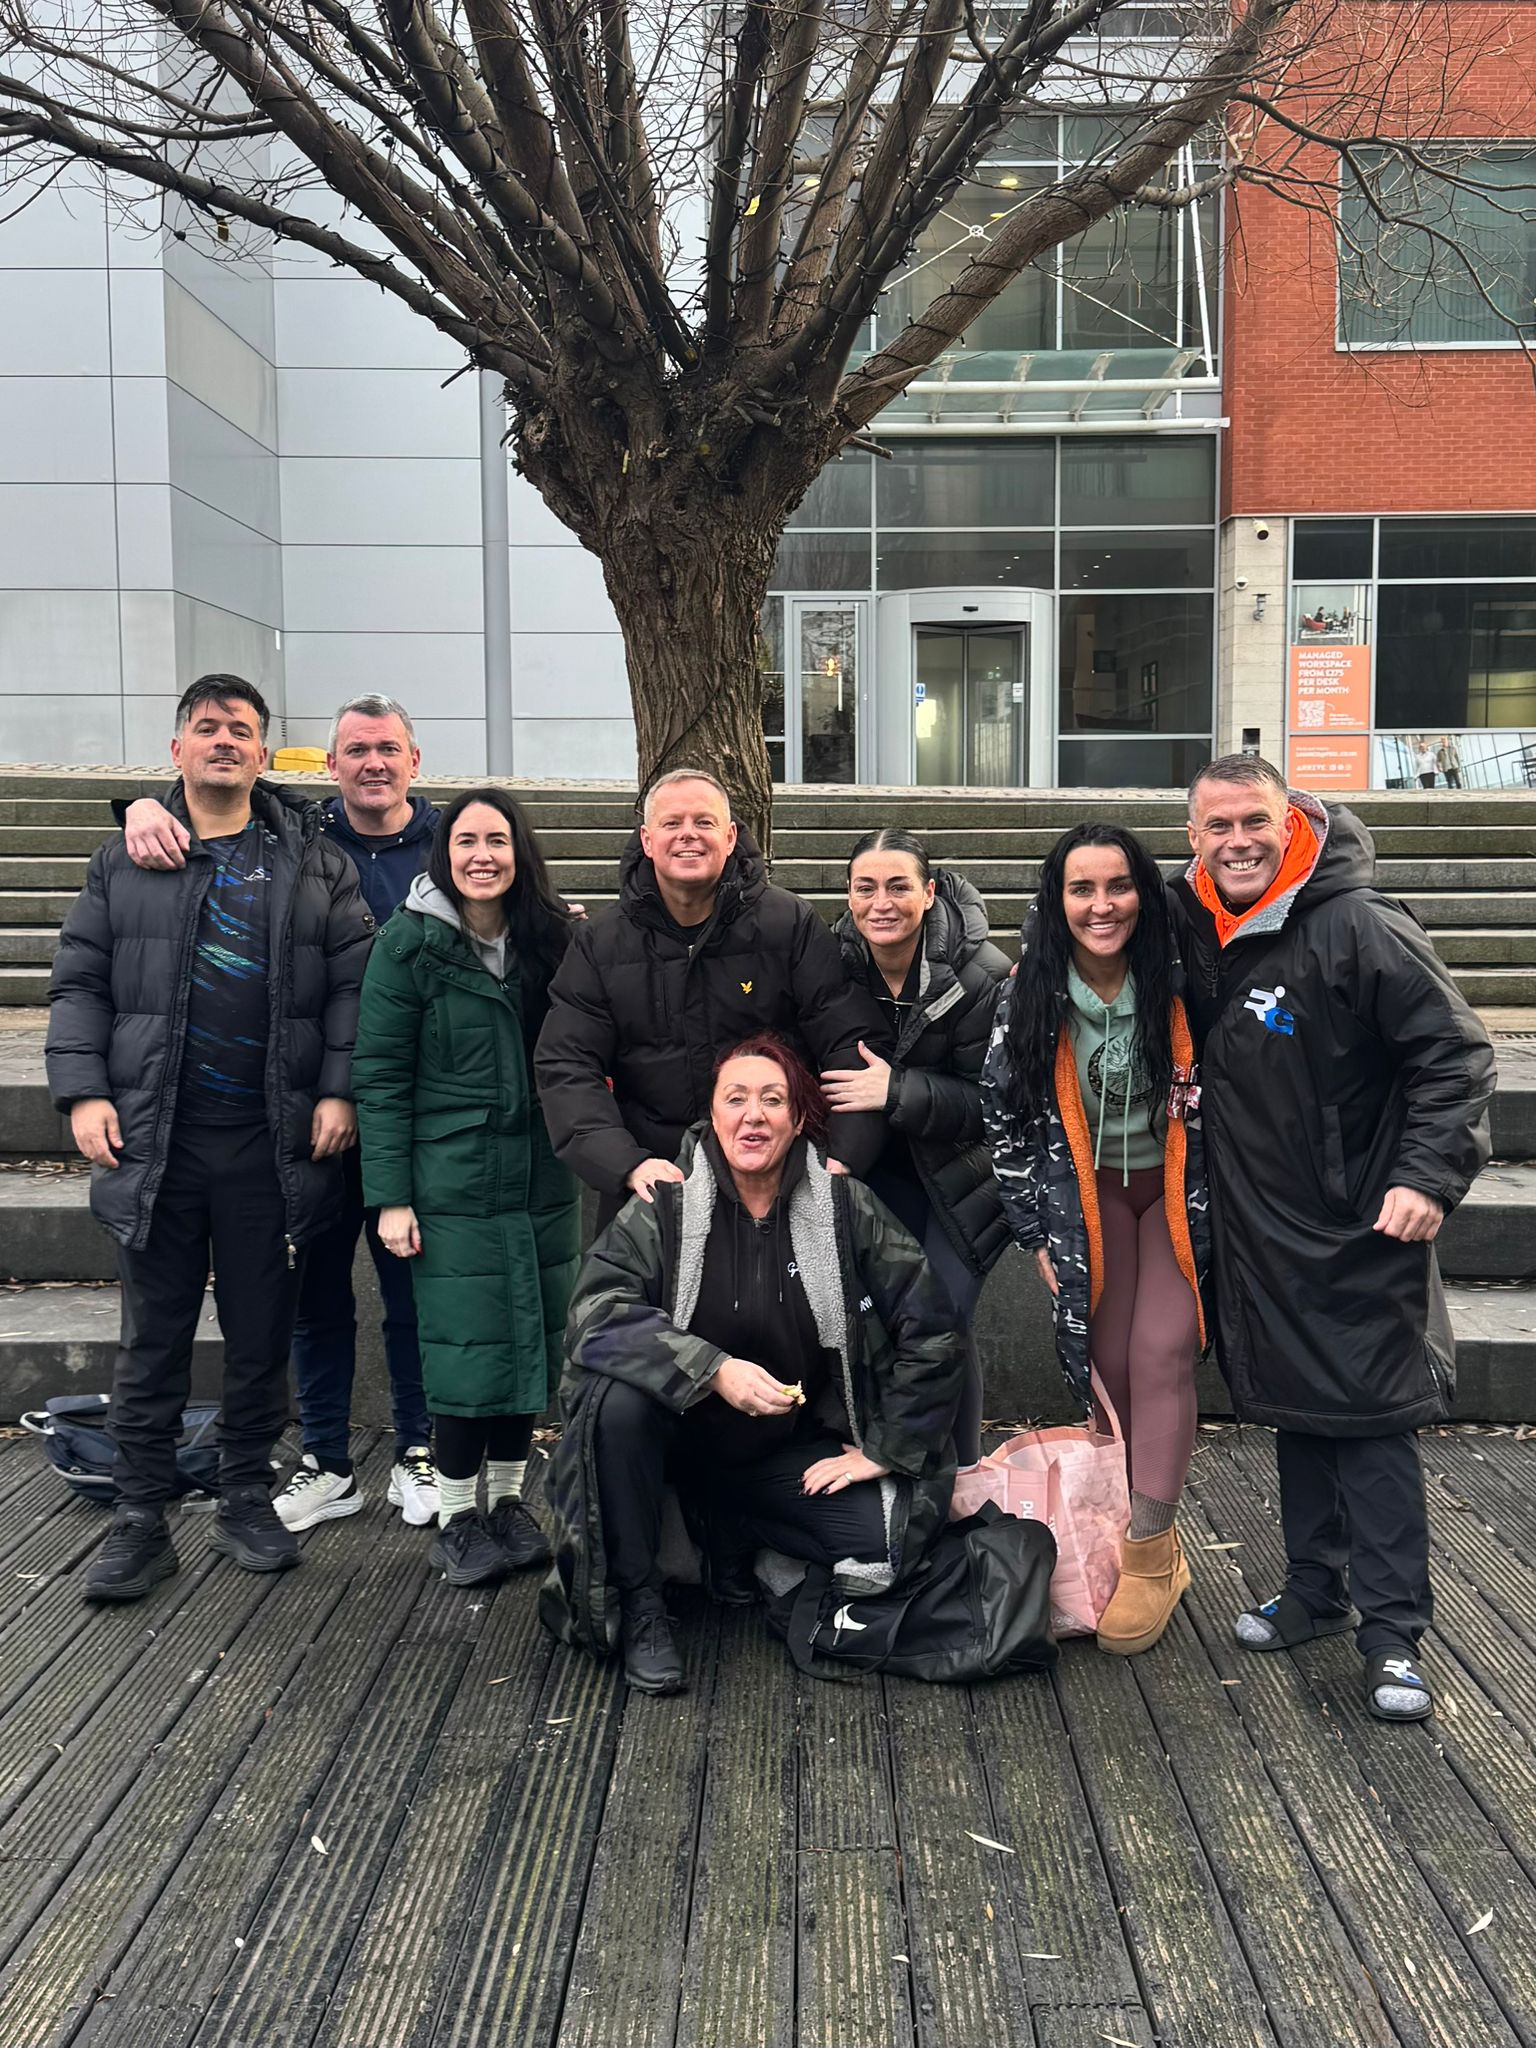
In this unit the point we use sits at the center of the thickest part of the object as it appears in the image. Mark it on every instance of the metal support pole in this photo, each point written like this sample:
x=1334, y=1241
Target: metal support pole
x=496, y=574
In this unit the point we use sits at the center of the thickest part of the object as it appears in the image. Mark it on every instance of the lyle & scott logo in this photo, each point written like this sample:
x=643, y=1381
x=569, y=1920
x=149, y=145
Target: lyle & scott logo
x=746, y=988
x=1265, y=1005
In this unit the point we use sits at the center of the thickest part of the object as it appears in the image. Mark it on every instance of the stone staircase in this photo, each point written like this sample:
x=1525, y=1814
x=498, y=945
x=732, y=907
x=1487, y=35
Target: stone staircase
x=1466, y=864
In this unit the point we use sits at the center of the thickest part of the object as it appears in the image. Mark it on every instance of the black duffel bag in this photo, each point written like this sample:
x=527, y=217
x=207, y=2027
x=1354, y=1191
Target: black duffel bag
x=979, y=1606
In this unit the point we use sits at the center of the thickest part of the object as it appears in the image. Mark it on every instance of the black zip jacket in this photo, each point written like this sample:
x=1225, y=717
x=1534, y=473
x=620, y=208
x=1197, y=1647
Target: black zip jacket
x=934, y=1101
x=118, y=1009
x=638, y=1003
x=1336, y=1061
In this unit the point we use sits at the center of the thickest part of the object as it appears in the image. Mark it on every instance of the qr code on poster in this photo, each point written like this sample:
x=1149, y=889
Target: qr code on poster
x=1310, y=711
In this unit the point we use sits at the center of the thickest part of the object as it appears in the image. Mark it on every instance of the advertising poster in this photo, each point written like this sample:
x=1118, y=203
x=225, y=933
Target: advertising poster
x=1330, y=690
x=1342, y=763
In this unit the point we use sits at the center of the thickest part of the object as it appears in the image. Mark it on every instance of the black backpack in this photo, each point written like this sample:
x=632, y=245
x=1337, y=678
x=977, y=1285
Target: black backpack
x=979, y=1606
x=73, y=1428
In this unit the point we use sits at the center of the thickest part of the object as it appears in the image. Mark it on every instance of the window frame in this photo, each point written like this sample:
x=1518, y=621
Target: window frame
x=1518, y=339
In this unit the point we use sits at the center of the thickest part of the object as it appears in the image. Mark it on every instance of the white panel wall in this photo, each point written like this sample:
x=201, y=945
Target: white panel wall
x=138, y=477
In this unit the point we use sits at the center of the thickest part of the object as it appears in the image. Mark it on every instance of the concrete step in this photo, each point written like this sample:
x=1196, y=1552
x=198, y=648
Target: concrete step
x=960, y=839
x=47, y=1231
x=27, y=945
x=1497, y=947
x=63, y=1339
x=1492, y=1236
x=23, y=987
x=35, y=906
x=40, y=810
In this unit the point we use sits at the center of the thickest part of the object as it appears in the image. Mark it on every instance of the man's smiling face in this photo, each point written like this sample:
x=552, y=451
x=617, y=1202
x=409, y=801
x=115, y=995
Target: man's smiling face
x=1239, y=832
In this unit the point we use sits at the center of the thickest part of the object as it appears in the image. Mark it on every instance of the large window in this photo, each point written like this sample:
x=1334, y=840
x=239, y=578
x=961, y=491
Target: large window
x=1436, y=620
x=1439, y=252
x=1143, y=278
x=1120, y=527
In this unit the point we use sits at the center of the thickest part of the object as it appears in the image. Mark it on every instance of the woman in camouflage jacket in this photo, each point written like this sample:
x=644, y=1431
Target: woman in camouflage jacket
x=826, y=1277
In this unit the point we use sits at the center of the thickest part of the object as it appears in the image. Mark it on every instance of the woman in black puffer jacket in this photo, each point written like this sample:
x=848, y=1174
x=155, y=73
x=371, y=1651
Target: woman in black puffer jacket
x=918, y=941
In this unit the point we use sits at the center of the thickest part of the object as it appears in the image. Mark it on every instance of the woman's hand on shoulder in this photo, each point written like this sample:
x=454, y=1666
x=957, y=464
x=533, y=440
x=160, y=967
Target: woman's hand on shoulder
x=866, y=1087
x=750, y=1390
x=836, y=1475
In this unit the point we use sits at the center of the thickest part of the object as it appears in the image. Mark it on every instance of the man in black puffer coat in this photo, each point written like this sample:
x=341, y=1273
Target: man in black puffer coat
x=700, y=952
x=1344, y=1089
x=200, y=1038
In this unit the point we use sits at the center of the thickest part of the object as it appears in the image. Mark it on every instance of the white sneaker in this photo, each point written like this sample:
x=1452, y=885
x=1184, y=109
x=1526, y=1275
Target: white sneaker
x=315, y=1495
x=413, y=1486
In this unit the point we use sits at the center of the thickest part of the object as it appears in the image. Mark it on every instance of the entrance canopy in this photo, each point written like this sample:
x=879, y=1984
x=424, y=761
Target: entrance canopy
x=999, y=387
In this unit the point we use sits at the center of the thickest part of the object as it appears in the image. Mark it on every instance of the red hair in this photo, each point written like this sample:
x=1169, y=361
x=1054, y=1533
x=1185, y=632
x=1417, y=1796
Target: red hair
x=807, y=1104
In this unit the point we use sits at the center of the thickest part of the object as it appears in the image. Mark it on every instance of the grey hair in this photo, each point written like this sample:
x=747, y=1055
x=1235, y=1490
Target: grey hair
x=1248, y=771
x=371, y=706
x=683, y=775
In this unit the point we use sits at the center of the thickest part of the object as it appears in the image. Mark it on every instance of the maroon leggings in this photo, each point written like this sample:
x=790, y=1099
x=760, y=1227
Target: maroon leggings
x=1143, y=1333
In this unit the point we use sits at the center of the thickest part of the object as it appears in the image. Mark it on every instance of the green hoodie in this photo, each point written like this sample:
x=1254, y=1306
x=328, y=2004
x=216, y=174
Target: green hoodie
x=1101, y=1041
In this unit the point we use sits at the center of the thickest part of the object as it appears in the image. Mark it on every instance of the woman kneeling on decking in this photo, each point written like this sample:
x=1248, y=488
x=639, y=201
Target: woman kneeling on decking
x=1084, y=1095
x=767, y=1338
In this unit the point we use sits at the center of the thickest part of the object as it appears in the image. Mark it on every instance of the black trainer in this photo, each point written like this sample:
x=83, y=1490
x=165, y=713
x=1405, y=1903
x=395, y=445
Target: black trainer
x=514, y=1528
x=466, y=1552
x=651, y=1659
x=247, y=1529
x=136, y=1556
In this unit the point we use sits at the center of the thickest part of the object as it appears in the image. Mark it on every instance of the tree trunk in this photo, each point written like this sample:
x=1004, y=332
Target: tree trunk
x=689, y=597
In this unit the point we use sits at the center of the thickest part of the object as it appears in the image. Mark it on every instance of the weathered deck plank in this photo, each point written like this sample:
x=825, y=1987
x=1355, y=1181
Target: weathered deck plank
x=626, y=1978
x=739, y=1964
x=968, y=1980
x=1431, y=1987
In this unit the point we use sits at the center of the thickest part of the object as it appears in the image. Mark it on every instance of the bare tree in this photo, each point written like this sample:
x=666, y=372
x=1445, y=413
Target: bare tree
x=668, y=226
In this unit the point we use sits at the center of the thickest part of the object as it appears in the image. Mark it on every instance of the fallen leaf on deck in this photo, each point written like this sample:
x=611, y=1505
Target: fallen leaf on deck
x=560, y=1721
x=500, y=1681
x=988, y=1910
x=897, y=1957
x=1118, y=2039
x=987, y=1842
x=318, y=1846
x=1221, y=1546
x=1038, y=1956
x=1484, y=1920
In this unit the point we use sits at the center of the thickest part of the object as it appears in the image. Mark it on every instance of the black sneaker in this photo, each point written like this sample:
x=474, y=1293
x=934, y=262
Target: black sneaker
x=466, y=1552
x=513, y=1526
x=136, y=1556
x=651, y=1659
x=247, y=1529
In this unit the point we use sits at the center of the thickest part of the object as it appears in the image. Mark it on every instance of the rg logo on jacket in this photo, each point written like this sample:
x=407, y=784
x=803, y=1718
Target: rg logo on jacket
x=1265, y=1005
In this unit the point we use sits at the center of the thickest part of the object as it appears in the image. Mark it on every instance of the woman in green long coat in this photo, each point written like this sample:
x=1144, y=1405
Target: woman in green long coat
x=457, y=1159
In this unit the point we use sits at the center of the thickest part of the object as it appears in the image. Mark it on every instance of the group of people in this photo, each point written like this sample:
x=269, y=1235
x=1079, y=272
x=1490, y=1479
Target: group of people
x=1235, y=1110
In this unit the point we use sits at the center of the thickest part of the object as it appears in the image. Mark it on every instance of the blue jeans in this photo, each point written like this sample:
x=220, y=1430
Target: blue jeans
x=325, y=1332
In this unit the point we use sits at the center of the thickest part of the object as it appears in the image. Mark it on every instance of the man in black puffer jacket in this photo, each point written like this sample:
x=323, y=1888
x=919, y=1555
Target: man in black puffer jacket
x=200, y=1038
x=1344, y=1089
x=700, y=952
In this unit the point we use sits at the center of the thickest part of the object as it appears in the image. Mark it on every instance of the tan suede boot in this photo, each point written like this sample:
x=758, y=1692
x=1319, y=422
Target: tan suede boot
x=1154, y=1577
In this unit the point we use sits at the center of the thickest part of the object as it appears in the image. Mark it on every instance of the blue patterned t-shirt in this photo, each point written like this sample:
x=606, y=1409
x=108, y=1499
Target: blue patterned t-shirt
x=223, y=1073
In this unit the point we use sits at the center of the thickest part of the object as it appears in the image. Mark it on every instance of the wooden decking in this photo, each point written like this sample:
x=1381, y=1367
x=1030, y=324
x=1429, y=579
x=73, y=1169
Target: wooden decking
x=352, y=1808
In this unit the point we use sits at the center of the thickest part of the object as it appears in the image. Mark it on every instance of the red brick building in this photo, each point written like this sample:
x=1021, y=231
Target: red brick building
x=1379, y=471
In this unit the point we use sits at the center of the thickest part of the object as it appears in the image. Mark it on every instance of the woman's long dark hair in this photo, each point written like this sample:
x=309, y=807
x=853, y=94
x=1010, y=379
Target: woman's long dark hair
x=1039, y=1002
x=538, y=923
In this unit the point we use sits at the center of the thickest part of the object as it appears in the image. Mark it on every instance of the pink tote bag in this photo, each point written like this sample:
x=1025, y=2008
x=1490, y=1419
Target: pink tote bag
x=1073, y=1479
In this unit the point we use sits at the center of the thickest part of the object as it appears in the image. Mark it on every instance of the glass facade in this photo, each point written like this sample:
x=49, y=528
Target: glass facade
x=1441, y=614
x=1120, y=530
